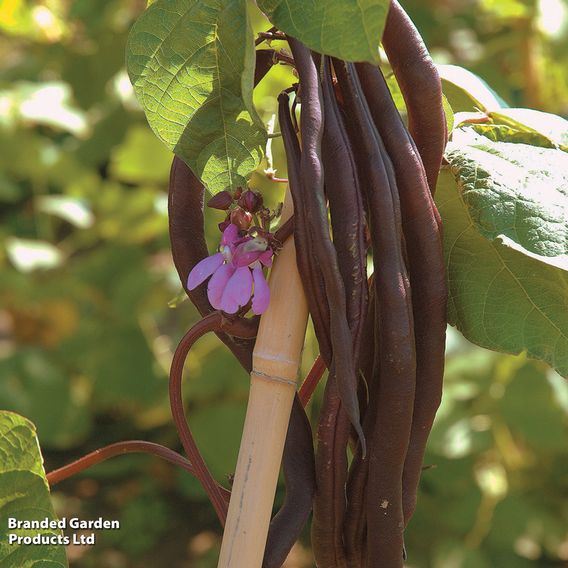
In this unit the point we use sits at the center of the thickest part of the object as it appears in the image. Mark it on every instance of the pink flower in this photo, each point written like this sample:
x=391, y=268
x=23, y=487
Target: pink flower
x=236, y=273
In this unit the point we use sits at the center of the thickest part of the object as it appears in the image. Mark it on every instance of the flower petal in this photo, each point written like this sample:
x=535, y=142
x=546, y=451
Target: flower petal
x=230, y=235
x=266, y=258
x=237, y=291
x=241, y=258
x=203, y=269
x=261, y=296
x=218, y=283
x=249, y=251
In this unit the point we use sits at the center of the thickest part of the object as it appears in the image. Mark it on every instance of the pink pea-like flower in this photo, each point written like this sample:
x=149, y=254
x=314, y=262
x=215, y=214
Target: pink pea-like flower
x=236, y=273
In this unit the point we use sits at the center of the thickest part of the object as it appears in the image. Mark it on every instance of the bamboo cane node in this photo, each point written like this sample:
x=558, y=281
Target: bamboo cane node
x=272, y=361
x=268, y=377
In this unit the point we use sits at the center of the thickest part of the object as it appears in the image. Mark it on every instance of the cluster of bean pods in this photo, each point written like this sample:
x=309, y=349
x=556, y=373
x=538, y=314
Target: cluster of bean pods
x=362, y=185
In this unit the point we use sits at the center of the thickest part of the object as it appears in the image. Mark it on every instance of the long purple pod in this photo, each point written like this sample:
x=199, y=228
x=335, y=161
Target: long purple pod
x=426, y=269
x=394, y=400
x=314, y=202
x=346, y=209
x=347, y=217
x=421, y=88
x=300, y=479
x=310, y=273
x=355, y=516
x=331, y=470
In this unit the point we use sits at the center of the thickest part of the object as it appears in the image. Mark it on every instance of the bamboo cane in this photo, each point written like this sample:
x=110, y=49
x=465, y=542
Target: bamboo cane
x=276, y=360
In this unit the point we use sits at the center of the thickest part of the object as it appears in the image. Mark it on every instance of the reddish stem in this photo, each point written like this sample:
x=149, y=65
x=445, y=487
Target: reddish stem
x=215, y=321
x=119, y=449
x=311, y=381
x=209, y=323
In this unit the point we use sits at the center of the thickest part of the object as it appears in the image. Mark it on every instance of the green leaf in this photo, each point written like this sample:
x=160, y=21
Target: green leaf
x=505, y=213
x=24, y=496
x=449, y=112
x=553, y=128
x=466, y=92
x=345, y=29
x=192, y=64
x=518, y=125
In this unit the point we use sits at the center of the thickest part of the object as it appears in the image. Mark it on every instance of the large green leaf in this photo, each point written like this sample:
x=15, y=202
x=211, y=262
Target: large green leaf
x=192, y=63
x=24, y=496
x=505, y=212
x=466, y=92
x=553, y=128
x=524, y=125
x=342, y=28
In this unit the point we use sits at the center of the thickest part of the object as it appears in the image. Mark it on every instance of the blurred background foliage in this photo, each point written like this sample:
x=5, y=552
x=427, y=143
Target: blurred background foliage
x=90, y=307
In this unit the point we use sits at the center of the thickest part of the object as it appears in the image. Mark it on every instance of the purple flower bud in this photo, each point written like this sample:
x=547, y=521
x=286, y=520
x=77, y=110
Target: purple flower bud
x=251, y=201
x=224, y=224
x=222, y=201
x=242, y=219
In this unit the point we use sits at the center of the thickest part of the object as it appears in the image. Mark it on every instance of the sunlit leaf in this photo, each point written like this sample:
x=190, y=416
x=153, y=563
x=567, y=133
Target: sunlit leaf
x=449, y=113
x=342, y=28
x=467, y=92
x=24, y=496
x=192, y=63
x=505, y=208
x=551, y=126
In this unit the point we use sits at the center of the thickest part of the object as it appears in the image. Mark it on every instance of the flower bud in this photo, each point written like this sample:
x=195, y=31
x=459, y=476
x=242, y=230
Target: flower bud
x=221, y=200
x=242, y=219
x=251, y=201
